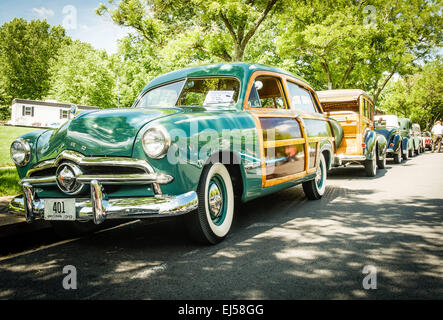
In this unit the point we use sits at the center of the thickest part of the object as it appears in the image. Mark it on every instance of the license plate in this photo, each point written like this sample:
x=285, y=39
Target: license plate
x=60, y=209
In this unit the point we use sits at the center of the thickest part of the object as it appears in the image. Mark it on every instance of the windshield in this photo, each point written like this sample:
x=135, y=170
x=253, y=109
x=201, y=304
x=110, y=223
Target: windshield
x=193, y=92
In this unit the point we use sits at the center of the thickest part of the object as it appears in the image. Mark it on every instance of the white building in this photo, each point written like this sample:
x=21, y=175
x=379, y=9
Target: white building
x=41, y=113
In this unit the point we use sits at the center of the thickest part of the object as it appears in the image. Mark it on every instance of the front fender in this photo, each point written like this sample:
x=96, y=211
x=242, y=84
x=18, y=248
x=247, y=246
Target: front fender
x=382, y=145
x=370, y=142
x=396, y=143
x=405, y=145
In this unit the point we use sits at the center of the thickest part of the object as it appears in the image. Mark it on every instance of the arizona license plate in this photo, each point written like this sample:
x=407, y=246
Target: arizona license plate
x=60, y=209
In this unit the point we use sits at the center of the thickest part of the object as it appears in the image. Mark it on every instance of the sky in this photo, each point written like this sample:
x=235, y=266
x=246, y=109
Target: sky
x=77, y=16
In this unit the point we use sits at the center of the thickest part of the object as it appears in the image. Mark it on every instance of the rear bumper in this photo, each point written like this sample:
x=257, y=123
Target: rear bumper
x=343, y=158
x=99, y=209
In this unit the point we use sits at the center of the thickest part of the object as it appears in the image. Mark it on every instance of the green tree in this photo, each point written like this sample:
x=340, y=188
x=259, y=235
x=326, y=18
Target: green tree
x=27, y=49
x=219, y=29
x=83, y=75
x=418, y=96
x=358, y=44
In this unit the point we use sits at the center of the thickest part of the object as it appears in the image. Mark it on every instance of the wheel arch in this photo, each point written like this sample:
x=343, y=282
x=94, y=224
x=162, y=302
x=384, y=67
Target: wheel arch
x=232, y=161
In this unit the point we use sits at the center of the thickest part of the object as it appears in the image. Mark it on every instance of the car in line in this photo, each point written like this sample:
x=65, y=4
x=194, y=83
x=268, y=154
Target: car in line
x=406, y=131
x=195, y=143
x=362, y=145
x=418, y=139
x=388, y=126
x=427, y=140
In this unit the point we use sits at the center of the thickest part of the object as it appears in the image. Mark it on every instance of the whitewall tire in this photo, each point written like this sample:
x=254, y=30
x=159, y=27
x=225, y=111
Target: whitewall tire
x=212, y=221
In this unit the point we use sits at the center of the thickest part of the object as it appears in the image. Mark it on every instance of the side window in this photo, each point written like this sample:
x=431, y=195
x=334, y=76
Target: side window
x=267, y=93
x=301, y=98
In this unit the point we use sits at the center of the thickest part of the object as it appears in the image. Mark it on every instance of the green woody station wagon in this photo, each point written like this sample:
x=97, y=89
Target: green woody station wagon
x=195, y=143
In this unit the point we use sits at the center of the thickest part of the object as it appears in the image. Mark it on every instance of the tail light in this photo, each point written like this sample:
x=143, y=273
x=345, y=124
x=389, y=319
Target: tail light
x=363, y=145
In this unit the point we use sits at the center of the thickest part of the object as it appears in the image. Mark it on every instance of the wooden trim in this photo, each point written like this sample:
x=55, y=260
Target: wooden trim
x=261, y=146
x=273, y=182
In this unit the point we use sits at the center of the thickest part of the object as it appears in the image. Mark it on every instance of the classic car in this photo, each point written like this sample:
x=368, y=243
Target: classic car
x=413, y=139
x=195, y=142
x=354, y=110
x=417, y=136
x=427, y=139
x=388, y=126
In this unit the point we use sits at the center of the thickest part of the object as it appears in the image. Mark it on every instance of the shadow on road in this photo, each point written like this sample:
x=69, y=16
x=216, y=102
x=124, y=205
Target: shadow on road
x=281, y=247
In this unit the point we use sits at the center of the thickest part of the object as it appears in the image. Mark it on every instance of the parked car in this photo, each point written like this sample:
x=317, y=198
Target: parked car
x=354, y=110
x=413, y=140
x=416, y=133
x=388, y=126
x=194, y=142
x=427, y=140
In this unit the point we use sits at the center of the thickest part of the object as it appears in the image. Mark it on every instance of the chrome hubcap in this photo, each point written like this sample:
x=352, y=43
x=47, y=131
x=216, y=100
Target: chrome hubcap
x=215, y=199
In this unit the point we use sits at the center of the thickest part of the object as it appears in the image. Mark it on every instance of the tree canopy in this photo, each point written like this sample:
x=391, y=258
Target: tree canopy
x=331, y=43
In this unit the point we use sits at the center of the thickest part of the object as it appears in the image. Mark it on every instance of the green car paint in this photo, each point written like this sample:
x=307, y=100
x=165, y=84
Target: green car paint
x=119, y=133
x=406, y=132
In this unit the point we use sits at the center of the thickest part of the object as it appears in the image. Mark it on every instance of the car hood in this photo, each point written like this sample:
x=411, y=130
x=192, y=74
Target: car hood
x=99, y=133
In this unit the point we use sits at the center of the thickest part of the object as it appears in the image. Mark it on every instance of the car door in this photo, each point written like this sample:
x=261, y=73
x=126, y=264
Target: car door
x=281, y=134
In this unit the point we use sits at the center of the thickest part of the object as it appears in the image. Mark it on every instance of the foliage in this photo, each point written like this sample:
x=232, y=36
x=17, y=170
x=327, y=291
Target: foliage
x=27, y=49
x=418, y=97
x=82, y=75
x=359, y=44
x=219, y=29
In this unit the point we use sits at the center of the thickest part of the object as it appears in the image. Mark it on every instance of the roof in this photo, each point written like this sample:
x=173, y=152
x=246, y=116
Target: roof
x=240, y=70
x=52, y=104
x=341, y=95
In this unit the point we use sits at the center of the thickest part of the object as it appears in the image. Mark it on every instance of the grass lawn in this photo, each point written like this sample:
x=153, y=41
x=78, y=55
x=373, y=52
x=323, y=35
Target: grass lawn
x=7, y=136
x=9, y=183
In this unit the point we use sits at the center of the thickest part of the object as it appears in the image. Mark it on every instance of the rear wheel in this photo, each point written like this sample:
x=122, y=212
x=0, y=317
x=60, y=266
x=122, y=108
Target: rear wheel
x=381, y=163
x=315, y=189
x=371, y=165
x=212, y=221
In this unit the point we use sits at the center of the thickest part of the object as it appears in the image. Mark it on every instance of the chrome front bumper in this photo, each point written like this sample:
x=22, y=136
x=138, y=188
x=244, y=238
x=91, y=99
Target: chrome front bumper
x=99, y=209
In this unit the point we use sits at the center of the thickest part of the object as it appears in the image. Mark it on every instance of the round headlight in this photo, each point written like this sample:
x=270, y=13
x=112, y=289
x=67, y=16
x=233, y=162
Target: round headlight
x=156, y=142
x=20, y=152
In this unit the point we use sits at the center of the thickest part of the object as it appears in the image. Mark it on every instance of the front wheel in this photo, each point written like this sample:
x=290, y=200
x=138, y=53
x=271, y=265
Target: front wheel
x=212, y=221
x=315, y=188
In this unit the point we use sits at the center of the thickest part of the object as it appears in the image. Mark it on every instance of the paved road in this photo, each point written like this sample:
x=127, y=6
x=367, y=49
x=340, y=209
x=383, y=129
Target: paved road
x=282, y=247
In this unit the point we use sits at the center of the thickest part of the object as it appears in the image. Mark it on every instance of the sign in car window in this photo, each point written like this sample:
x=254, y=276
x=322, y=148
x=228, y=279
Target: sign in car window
x=219, y=97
